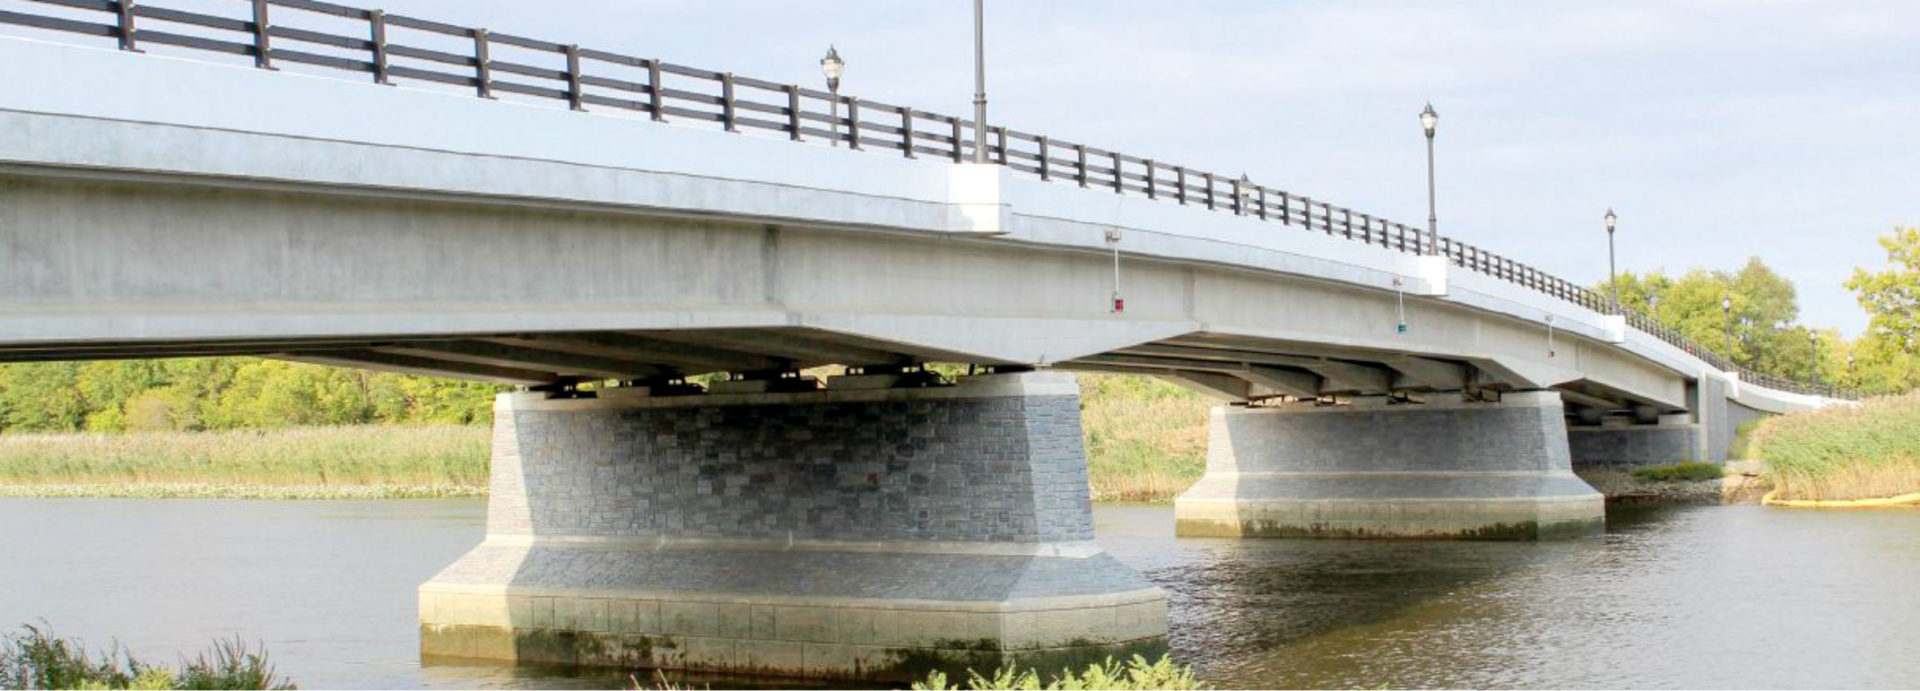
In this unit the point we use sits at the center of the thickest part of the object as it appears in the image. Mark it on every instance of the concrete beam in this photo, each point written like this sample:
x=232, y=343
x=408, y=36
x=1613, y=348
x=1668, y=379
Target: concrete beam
x=1439, y=375
x=1222, y=386
x=514, y=357
x=1347, y=377
x=694, y=359
x=409, y=364
x=1286, y=381
x=784, y=344
x=1337, y=376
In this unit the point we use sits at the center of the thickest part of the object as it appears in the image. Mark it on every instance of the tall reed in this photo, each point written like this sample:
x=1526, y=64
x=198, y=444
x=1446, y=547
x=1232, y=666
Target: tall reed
x=361, y=455
x=1844, y=452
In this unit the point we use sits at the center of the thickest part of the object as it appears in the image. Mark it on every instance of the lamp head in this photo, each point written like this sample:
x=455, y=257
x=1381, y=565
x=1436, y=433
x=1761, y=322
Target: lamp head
x=1611, y=220
x=1429, y=119
x=832, y=66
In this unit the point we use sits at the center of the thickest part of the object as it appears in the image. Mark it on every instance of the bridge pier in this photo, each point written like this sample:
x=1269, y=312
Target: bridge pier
x=1446, y=469
x=858, y=534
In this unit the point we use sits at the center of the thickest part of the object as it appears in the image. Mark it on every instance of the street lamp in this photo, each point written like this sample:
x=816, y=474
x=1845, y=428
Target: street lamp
x=979, y=82
x=1726, y=322
x=832, y=66
x=1428, y=120
x=1244, y=186
x=1653, y=304
x=1813, y=358
x=1613, y=278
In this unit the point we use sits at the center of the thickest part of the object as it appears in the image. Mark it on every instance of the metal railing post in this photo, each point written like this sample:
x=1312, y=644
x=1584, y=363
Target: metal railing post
x=653, y=91
x=262, y=43
x=126, y=29
x=1119, y=180
x=1153, y=191
x=958, y=154
x=853, y=123
x=377, y=25
x=793, y=112
x=906, y=131
x=727, y=113
x=1080, y=151
x=575, y=93
x=1046, y=166
x=1180, y=183
x=483, y=68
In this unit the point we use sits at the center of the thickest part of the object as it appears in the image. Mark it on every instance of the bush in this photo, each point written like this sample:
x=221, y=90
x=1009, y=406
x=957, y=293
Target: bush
x=1136, y=673
x=38, y=660
x=1679, y=472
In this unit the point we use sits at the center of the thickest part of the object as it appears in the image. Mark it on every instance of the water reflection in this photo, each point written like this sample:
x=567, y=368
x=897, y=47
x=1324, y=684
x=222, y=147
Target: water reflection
x=1698, y=597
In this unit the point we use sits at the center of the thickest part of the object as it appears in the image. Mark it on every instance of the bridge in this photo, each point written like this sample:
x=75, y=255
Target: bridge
x=319, y=183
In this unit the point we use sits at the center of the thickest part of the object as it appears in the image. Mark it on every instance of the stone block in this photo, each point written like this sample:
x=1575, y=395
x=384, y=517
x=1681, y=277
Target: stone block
x=736, y=620
x=807, y=624
x=789, y=656
x=690, y=618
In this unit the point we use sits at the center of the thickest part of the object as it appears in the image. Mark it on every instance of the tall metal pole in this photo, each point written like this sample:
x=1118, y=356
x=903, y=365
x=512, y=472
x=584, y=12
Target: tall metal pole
x=1613, y=276
x=1433, y=217
x=979, y=83
x=1726, y=323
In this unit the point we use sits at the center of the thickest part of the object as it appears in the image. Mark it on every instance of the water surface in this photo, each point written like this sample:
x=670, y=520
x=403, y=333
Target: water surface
x=1697, y=597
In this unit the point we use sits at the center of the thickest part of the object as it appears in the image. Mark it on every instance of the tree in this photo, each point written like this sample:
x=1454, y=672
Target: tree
x=1763, y=308
x=1884, y=356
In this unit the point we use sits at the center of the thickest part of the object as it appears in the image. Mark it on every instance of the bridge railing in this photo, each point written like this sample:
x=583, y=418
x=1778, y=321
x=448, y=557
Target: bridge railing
x=391, y=47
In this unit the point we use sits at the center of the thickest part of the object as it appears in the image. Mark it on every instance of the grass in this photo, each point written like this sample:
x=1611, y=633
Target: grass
x=1135, y=673
x=1145, y=440
x=1689, y=471
x=430, y=460
x=1844, y=452
x=36, y=659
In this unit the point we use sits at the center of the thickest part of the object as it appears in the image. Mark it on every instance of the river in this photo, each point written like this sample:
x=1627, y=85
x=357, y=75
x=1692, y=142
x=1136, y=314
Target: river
x=1694, y=597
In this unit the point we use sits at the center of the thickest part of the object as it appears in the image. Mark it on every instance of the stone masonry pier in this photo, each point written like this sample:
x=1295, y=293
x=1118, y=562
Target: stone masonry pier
x=856, y=534
x=1445, y=468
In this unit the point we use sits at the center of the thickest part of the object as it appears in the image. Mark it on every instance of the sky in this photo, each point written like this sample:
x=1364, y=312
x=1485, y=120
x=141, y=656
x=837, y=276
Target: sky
x=1716, y=130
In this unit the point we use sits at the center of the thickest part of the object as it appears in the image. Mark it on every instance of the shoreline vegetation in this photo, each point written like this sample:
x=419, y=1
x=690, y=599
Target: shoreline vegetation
x=36, y=659
x=1844, y=453
x=1145, y=440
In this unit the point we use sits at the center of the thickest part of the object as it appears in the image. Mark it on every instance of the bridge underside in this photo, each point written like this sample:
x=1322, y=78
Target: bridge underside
x=1224, y=366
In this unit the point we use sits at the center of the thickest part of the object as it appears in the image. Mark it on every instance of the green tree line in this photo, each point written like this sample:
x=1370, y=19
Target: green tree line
x=224, y=393
x=1750, y=314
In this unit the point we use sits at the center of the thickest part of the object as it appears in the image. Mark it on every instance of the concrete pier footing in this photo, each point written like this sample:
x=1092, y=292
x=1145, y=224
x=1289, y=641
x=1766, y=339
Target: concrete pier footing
x=1445, y=469
x=868, y=534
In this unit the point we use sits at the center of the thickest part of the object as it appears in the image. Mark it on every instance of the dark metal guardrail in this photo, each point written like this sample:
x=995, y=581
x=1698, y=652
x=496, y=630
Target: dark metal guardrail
x=583, y=78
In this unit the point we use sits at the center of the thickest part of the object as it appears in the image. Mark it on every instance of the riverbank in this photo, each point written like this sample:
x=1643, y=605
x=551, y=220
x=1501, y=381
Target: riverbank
x=1741, y=483
x=1145, y=441
x=1843, y=453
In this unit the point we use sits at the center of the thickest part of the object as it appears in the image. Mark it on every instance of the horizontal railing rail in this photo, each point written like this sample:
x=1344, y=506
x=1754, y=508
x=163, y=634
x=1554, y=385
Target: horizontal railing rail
x=586, y=78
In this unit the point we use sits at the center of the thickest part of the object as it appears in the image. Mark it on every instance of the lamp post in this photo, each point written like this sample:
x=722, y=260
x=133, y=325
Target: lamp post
x=832, y=66
x=1813, y=357
x=979, y=82
x=1428, y=120
x=1726, y=322
x=1613, y=278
